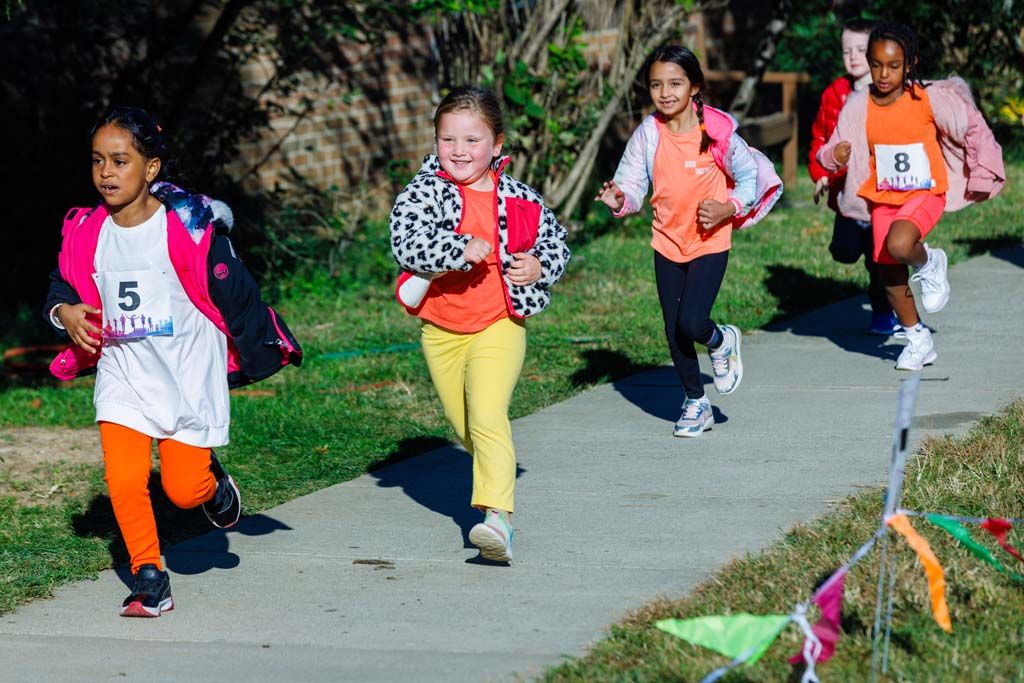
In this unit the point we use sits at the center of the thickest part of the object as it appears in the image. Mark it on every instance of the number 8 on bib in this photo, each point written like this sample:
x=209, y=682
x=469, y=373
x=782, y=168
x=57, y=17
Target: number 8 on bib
x=903, y=168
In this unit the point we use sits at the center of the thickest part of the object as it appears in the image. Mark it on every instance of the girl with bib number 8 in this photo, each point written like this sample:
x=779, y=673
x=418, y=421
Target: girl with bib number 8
x=913, y=150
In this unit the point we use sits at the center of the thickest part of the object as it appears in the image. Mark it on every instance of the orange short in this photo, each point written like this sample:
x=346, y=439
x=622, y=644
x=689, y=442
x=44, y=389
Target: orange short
x=923, y=210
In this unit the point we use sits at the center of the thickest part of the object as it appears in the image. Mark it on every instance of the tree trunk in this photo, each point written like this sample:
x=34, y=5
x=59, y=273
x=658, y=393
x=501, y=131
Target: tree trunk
x=744, y=98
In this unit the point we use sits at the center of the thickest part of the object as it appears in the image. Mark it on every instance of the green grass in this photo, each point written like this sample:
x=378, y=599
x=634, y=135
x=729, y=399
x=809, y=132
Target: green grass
x=338, y=416
x=976, y=475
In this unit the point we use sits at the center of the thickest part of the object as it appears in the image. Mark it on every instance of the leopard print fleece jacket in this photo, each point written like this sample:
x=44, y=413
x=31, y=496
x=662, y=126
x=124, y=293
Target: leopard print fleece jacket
x=429, y=210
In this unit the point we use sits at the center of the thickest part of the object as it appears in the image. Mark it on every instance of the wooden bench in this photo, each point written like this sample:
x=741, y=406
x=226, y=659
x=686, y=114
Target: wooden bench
x=779, y=128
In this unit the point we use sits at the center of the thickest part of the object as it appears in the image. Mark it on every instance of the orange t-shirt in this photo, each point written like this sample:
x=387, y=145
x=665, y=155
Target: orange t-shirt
x=903, y=138
x=683, y=178
x=470, y=301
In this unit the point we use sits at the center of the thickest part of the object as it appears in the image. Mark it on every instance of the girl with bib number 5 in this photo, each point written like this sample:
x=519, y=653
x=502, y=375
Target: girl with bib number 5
x=156, y=302
x=913, y=150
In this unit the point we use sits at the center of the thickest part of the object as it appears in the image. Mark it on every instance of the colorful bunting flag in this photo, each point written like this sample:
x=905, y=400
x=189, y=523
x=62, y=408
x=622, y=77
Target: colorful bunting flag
x=998, y=528
x=932, y=569
x=830, y=599
x=732, y=635
x=960, y=533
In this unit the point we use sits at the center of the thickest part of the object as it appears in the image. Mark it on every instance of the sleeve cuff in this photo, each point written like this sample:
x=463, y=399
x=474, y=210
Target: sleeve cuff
x=736, y=203
x=54, y=320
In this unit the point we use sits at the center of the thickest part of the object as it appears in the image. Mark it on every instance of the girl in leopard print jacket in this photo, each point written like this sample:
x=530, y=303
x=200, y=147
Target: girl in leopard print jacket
x=484, y=252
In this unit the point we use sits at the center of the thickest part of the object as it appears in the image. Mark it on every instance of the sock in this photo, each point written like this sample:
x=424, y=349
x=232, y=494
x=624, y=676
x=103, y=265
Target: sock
x=915, y=331
x=716, y=338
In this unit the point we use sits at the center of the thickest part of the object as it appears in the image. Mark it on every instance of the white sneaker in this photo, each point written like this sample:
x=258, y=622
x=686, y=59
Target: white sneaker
x=919, y=352
x=726, y=363
x=696, y=419
x=493, y=536
x=934, y=283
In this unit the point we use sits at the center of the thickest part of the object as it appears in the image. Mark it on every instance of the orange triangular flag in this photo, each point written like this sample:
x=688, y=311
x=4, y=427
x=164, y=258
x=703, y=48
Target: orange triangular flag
x=932, y=568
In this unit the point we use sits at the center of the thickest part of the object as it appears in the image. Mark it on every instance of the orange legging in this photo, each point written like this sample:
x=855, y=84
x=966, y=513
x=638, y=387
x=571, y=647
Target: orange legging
x=184, y=471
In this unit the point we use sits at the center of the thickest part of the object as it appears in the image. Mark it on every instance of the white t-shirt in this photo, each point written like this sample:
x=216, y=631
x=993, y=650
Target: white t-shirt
x=163, y=385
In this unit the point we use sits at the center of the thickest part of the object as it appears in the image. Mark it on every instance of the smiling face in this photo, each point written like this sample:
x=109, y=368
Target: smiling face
x=670, y=89
x=855, y=58
x=466, y=146
x=120, y=172
x=888, y=69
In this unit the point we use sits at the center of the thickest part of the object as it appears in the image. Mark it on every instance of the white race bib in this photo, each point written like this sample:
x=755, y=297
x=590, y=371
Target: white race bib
x=902, y=168
x=136, y=303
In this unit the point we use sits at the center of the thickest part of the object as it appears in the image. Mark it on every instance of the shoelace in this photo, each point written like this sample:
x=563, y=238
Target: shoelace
x=691, y=411
x=720, y=364
x=928, y=284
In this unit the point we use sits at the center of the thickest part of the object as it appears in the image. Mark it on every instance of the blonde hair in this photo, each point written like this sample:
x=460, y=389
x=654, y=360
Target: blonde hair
x=476, y=99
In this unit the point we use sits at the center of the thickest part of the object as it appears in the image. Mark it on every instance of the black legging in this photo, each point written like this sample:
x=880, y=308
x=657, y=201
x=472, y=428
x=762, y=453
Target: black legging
x=687, y=292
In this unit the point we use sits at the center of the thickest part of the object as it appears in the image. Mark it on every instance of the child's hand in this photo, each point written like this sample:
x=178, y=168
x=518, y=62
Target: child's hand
x=611, y=195
x=526, y=269
x=477, y=250
x=820, y=187
x=841, y=153
x=710, y=213
x=82, y=332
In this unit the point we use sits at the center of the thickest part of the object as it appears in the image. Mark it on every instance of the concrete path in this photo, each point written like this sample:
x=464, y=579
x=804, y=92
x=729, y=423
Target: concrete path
x=372, y=580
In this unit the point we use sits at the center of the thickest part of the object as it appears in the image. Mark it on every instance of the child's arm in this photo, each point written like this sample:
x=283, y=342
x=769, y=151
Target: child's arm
x=835, y=153
x=423, y=238
x=65, y=311
x=631, y=178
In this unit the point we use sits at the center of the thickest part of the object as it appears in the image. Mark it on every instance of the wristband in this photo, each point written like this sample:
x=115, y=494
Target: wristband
x=54, y=319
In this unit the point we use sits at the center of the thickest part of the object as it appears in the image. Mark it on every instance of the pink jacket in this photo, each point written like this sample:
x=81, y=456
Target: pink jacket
x=973, y=158
x=76, y=267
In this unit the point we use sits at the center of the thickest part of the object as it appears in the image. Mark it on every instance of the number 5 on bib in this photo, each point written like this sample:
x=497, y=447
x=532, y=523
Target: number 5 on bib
x=136, y=303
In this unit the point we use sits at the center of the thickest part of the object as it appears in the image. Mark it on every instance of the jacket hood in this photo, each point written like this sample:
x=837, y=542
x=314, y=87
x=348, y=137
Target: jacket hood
x=195, y=211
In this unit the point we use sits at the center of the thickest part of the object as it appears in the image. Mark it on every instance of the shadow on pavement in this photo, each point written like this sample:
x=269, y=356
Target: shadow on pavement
x=440, y=478
x=658, y=393
x=174, y=526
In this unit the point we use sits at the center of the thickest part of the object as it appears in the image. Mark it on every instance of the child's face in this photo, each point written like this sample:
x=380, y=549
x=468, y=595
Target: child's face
x=466, y=146
x=120, y=173
x=855, y=58
x=670, y=89
x=888, y=67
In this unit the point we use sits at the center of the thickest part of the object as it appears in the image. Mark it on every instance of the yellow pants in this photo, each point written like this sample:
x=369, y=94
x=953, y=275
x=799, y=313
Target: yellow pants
x=475, y=374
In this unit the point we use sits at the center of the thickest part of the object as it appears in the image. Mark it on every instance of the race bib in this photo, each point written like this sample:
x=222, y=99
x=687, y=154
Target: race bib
x=902, y=168
x=136, y=303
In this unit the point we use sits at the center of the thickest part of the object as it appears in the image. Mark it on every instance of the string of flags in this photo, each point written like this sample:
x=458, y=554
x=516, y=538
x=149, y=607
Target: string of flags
x=746, y=637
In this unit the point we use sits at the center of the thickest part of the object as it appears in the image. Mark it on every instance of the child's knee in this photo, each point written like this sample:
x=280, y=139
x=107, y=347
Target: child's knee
x=900, y=245
x=188, y=494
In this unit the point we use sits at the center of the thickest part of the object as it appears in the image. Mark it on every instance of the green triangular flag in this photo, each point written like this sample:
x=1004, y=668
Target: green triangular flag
x=732, y=634
x=960, y=533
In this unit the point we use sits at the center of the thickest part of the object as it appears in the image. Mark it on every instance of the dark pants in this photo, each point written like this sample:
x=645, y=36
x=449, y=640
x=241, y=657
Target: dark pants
x=687, y=292
x=852, y=239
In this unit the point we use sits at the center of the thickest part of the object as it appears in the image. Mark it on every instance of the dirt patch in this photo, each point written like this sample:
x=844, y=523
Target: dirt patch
x=42, y=465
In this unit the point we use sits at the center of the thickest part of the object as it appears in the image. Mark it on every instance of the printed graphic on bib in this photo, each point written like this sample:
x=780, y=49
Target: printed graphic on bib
x=902, y=168
x=136, y=303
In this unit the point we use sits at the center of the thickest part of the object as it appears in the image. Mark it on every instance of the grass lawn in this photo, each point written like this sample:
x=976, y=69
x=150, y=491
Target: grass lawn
x=363, y=395
x=975, y=475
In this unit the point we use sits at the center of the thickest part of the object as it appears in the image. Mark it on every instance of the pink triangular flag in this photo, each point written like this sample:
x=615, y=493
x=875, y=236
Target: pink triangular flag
x=998, y=528
x=830, y=600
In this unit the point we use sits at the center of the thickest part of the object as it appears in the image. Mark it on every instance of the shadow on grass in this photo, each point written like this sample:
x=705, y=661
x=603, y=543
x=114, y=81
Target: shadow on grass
x=436, y=474
x=1006, y=247
x=188, y=541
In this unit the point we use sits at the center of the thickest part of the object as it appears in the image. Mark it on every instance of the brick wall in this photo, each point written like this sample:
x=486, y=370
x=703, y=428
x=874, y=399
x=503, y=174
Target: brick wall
x=376, y=109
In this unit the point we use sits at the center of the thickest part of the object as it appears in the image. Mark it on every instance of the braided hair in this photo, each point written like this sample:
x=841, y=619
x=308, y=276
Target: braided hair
x=684, y=57
x=904, y=37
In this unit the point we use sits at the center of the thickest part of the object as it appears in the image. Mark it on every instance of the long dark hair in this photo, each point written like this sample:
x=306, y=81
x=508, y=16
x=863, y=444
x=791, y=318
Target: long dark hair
x=684, y=57
x=905, y=38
